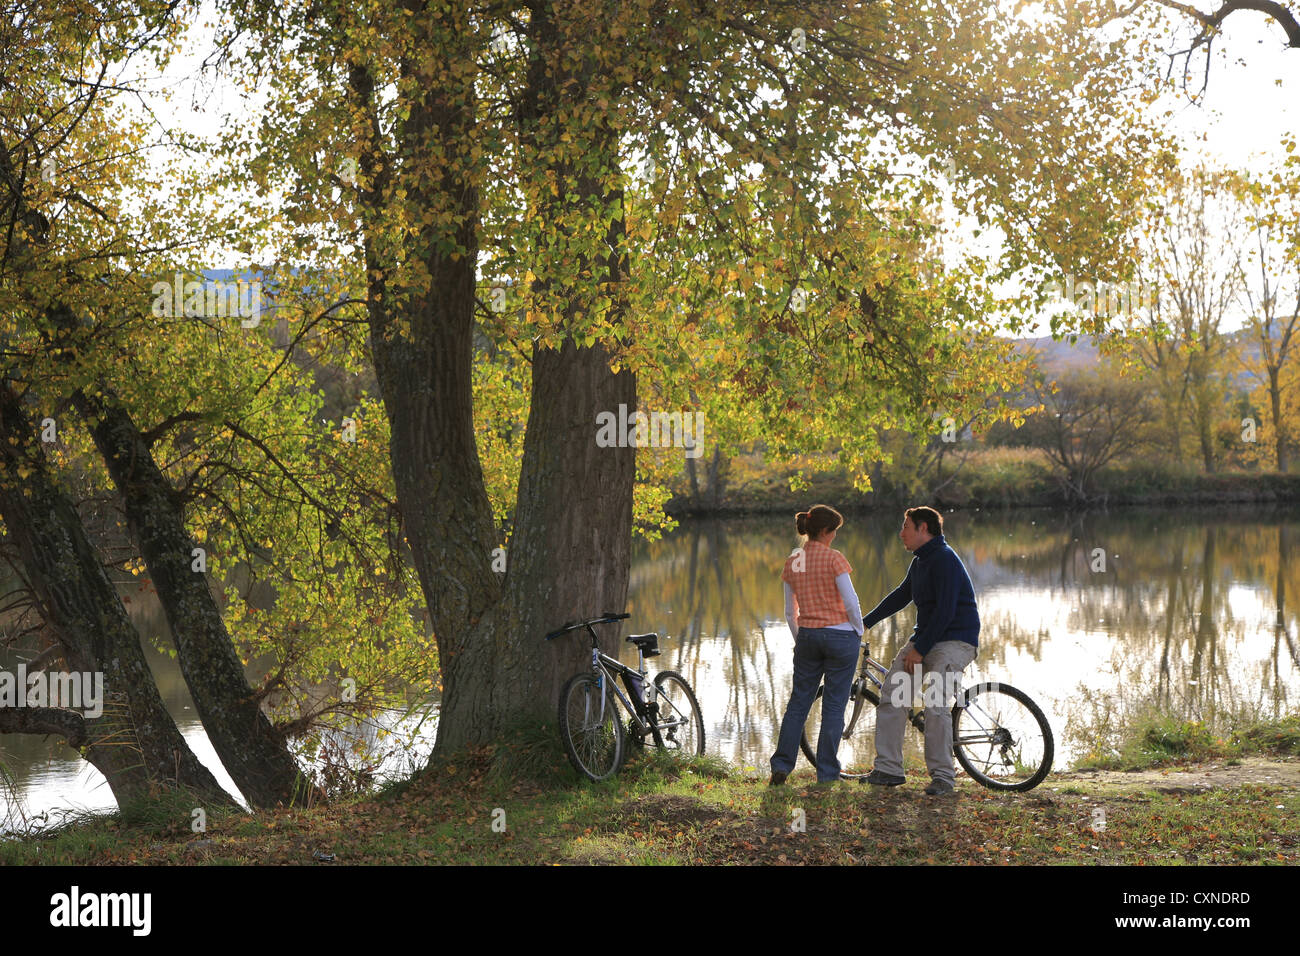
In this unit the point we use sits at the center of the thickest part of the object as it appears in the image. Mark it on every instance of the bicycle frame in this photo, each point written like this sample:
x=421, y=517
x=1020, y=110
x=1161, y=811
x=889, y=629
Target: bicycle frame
x=868, y=663
x=607, y=669
x=603, y=664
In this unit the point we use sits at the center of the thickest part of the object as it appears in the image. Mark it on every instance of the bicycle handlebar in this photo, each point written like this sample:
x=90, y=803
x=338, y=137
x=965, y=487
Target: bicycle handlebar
x=607, y=618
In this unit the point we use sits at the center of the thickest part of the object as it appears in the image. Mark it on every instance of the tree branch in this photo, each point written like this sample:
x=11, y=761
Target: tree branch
x=1210, y=22
x=68, y=724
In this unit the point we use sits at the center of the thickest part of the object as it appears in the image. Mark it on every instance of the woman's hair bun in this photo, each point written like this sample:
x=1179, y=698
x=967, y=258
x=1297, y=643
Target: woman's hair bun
x=817, y=520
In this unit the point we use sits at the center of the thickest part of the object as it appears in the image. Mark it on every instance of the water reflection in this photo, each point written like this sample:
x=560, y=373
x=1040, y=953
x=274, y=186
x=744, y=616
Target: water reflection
x=1090, y=614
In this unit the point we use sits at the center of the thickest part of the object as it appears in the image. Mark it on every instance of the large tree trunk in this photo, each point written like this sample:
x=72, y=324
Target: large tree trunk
x=250, y=748
x=575, y=498
x=135, y=744
x=421, y=343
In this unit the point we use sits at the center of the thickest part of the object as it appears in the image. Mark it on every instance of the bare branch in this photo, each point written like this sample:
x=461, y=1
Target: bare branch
x=1210, y=22
x=68, y=724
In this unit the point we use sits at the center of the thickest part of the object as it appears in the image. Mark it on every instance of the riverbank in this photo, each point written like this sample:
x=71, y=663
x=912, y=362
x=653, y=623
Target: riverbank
x=996, y=478
x=1239, y=806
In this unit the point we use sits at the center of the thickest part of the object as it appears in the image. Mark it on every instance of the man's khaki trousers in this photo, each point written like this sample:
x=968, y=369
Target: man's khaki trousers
x=940, y=674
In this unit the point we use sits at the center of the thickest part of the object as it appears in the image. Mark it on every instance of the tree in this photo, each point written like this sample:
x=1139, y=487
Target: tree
x=176, y=408
x=1089, y=419
x=135, y=743
x=250, y=748
x=1208, y=24
x=1270, y=288
x=477, y=144
x=1190, y=249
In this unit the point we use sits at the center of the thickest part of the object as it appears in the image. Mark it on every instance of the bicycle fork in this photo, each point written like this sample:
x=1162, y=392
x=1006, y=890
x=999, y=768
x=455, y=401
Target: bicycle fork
x=857, y=698
x=600, y=683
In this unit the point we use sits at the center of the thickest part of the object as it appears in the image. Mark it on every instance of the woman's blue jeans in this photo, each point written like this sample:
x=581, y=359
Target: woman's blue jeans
x=822, y=655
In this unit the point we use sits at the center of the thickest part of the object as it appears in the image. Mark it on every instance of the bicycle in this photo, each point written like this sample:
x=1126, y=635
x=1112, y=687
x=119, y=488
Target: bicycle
x=664, y=710
x=1003, y=718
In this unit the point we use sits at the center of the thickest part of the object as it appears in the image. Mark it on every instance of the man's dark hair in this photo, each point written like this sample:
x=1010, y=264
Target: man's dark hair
x=932, y=520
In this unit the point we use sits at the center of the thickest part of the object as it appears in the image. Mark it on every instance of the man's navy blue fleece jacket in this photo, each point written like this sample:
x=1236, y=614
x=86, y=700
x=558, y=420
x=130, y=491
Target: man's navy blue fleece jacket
x=945, y=600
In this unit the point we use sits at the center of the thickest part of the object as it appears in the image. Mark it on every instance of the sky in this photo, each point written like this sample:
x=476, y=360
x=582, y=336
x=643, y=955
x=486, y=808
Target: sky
x=1248, y=106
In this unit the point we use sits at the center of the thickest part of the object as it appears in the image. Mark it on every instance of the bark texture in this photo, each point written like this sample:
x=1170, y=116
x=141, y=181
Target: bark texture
x=253, y=752
x=135, y=744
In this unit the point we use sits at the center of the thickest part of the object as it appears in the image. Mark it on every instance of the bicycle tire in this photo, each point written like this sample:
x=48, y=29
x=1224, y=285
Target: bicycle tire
x=857, y=759
x=592, y=730
x=673, y=692
x=1007, y=721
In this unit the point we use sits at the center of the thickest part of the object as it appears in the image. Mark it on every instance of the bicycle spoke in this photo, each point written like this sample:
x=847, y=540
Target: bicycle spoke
x=680, y=724
x=589, y=720
x=1002, y=739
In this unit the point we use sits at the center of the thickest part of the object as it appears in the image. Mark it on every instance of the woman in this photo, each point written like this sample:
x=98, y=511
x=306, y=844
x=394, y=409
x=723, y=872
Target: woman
x=826, y=621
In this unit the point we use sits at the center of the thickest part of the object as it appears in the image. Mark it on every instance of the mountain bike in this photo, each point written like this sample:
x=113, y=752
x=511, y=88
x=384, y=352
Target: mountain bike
x=665, y=709
x=999, y=735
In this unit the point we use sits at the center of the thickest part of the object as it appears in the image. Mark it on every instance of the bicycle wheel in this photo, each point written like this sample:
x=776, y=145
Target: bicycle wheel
x=681, y=724
x=1001, y=737
x=857, y=750
x=590, y=727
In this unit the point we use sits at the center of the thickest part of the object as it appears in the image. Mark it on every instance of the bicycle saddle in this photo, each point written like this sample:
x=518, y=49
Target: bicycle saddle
x=647, y=643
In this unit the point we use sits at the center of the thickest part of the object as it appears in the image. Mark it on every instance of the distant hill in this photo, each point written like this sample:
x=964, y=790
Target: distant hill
x=1056, y=357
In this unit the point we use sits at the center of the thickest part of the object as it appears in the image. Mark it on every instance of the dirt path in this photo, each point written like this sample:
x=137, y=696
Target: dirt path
x=1217, y=775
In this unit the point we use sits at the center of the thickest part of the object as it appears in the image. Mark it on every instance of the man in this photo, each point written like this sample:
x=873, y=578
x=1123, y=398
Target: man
x=944, y=641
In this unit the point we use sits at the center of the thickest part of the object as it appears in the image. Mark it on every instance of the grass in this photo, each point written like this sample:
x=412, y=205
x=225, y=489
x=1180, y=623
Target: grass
x=661, y=810
x=530, y=752
x=83, y=836
x=13, y=816
x=1277, y=736
x=1149, y=739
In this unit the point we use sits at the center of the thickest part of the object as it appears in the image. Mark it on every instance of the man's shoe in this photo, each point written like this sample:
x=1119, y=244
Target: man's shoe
x=778, y=778
x=939, y=788
x=882, y=779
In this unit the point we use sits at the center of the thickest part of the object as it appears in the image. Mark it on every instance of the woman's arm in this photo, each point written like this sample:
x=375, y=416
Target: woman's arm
x=850, y=598
x=791, y=614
